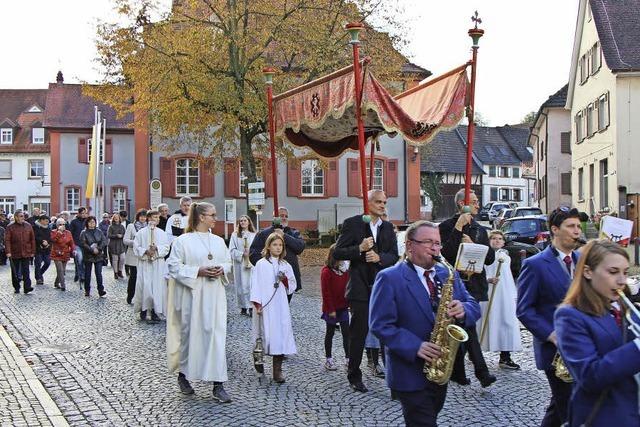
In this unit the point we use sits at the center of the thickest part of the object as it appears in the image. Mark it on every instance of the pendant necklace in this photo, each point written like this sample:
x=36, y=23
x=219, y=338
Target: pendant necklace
x=206, y=246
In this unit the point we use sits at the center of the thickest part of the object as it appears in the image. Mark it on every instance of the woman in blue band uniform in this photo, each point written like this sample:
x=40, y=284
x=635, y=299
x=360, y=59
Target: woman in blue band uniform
x=600, y=353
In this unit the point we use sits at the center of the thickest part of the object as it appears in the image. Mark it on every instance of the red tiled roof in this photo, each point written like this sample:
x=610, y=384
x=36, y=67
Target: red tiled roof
x=14, y=102
x=68, y=108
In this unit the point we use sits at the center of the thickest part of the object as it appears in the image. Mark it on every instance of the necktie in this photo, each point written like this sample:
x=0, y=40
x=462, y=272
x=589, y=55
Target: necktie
x=617, y=315
x=568, y=261
x=433, y=292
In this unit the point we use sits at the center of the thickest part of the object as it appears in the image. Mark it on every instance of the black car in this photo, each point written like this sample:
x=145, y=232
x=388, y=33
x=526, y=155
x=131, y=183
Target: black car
x=518, y=251
x=527, y=229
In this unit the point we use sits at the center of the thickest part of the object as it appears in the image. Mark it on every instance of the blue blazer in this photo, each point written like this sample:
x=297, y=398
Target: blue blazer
x=401, y=316
x=542, y=285
x=598, y=359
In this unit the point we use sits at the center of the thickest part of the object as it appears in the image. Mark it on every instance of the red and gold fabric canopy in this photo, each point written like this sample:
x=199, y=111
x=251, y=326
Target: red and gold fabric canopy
x=320, y=114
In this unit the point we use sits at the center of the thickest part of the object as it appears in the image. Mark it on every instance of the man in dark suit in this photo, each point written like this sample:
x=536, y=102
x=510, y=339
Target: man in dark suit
x=369, y=247
x=293, y=241
x=462, y=228
x=404, y=304
x=542, y=285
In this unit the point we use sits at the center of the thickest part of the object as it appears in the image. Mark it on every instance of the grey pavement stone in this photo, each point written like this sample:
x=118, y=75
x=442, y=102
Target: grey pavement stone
x=119, y=375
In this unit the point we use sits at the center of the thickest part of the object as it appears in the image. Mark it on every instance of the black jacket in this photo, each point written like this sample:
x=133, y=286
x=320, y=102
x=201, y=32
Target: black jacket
x=361, y=273
x=87, y=238
x=451, y=238
x=42, y=233
x=294, y=244
x=76, y=227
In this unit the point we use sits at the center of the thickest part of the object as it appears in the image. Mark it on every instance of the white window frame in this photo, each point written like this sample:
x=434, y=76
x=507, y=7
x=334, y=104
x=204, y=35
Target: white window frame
x=503, y=172
x=10, y=169
x=100, y=149
x=73, y=202
x=44, y=207
x=315, y=173
x=493, y=171
x=603, y=112
x=579, y=127
x=595, y=59
x=37, y=135
x=243, y=178
x=189, y=177
x=515, y=172
x=30, y=163
x=117, y=203
x=6, y=136
x=518, y=192
x=590, y=116
x=507, y=195
x=8, y=204
x=378, y=174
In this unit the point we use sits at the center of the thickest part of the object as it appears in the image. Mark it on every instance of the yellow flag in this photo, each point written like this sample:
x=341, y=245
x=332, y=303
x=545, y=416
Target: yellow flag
x=90, y=192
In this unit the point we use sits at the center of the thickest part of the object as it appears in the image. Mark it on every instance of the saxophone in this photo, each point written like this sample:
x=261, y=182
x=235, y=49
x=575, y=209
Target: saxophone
x=560, y=369
x=445, y=334
x=245, y=258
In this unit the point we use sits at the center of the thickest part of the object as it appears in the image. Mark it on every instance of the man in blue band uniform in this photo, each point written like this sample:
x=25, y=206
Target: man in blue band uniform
x=403, y=309
x=542, y=285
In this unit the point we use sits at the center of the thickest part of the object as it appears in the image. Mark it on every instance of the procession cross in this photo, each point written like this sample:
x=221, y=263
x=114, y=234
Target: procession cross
x=476, y=19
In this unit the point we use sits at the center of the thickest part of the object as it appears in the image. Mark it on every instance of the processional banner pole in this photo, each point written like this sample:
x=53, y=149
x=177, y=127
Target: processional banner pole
x=268, y=79
x=475, y=34
x=354, y=32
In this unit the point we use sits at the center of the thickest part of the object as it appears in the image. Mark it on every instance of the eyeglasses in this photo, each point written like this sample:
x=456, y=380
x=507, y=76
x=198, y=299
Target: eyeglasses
x=428, y=243
x=211, y=215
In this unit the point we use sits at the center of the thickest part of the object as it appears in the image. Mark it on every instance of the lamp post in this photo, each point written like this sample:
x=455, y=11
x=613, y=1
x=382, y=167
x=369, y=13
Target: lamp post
x=268, y=80
x=475, y=34
x=354, y=29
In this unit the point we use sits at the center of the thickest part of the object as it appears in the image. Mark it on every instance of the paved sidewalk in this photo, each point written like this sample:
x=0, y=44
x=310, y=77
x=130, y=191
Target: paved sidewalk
x=23, y=399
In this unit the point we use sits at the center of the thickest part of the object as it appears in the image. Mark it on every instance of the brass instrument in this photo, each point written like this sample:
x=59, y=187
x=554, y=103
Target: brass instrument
x=631, y=309
x=445, y=334
x=245, y=258
x=560, y=368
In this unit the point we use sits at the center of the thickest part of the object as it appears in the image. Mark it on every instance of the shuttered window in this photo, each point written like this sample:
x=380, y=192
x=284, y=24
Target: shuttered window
x=565, y=183
x=565, y=142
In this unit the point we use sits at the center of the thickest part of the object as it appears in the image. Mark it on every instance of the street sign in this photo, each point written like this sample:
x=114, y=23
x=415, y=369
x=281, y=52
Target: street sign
x=230, y=211
x=155, y=193
x=256, y=193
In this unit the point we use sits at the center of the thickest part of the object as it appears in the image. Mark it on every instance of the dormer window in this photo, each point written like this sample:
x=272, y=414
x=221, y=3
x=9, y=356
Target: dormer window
x=37, y=135
x=6, y=136
x=34, y=109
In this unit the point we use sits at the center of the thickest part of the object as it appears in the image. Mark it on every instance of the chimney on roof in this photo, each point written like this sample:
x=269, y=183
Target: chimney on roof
x=59, y=78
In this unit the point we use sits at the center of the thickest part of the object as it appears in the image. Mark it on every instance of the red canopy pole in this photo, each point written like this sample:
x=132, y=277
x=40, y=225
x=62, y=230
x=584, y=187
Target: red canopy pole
x=268, y=78
x=354, y=31
x=475, y=34
x=371, y=163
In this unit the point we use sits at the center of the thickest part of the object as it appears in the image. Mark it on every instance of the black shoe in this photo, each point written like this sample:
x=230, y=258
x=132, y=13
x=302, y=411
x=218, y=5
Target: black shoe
x=378, y=371
x=16, y=291
x=129, y=301
x=87, y=294
x=461, y=381
x=487, y=379
x=40, y=282
x=185, y=387
x=143, y=315
x=243, y=312
x=102, y=293
x=509, y=364
x=220, y=394
x=358, y=386
x=154, y=316
x=27, y=290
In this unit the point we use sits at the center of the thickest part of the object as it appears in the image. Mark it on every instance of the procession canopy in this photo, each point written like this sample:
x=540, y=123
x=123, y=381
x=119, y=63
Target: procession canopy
x=321, y=114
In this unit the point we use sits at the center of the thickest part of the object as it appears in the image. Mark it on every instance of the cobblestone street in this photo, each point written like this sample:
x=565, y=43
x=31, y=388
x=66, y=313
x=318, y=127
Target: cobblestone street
x=103, y=367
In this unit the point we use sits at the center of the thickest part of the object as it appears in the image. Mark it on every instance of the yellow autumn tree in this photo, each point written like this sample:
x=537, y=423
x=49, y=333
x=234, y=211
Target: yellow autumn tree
x=197, y=70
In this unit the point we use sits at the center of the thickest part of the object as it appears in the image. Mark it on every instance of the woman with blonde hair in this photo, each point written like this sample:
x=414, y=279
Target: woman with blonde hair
x=272, y=280
x=594, y=343
x=239, y=245
x=197, y=303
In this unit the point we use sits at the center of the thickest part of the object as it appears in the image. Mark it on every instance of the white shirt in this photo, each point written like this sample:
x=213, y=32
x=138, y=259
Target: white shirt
x=374, y=226
x=561, y=257
x=423, y=279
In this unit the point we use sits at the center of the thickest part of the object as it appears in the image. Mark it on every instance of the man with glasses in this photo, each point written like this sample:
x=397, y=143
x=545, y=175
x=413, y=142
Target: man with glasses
x=20, y=246
x=369, y=247
x=463, y=228
x=404, y=304
x=294, y=244
x=542, y=286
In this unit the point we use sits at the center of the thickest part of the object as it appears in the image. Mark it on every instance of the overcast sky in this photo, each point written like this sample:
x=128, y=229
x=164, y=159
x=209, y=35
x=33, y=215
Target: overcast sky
x=523, y=57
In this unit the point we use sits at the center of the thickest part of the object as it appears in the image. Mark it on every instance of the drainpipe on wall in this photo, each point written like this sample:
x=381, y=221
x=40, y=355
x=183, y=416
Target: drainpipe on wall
x=150, y=156
x=406, y=193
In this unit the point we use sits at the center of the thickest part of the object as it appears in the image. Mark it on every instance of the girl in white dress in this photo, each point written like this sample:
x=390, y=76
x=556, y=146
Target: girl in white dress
x=272, y=280
x=197, y=304
x=502, y=328
x=239, y=245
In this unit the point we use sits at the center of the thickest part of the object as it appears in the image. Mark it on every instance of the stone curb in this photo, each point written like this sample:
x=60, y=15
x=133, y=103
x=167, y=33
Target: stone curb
x=50, y=408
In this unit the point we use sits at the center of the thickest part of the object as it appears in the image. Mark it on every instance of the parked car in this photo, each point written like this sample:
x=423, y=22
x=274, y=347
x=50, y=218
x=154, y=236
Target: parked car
x=526, y=211
x=503, y=215
x=530, y=229
x=491, y=209
x=515, y=253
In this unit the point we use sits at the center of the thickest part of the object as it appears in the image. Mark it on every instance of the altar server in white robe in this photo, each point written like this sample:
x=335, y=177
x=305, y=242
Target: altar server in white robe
x=272, y=280
x=502, y=327
x=177, y=222
x=239, y=245
x=197, y=305
x=151, y=284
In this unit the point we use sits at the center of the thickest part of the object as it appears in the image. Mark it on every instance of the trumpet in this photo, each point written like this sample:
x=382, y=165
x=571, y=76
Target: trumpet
x=631, y=310
x=245, y=258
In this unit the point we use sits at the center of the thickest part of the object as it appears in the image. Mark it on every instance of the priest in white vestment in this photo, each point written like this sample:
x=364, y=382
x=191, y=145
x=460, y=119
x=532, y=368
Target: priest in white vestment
x=197, y=306
x=178, y=221
x=151, y=246
x=239, y=245
x=502, y=328
x=272, y=280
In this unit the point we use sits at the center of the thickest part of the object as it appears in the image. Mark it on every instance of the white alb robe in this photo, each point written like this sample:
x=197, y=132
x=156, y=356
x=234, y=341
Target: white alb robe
x=277, y=332
x=151, y=282
x=503, y=331
x=197, y=308
x=241, y=273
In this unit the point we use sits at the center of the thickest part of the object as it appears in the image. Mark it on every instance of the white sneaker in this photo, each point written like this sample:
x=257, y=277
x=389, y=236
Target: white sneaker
x=329, y=365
